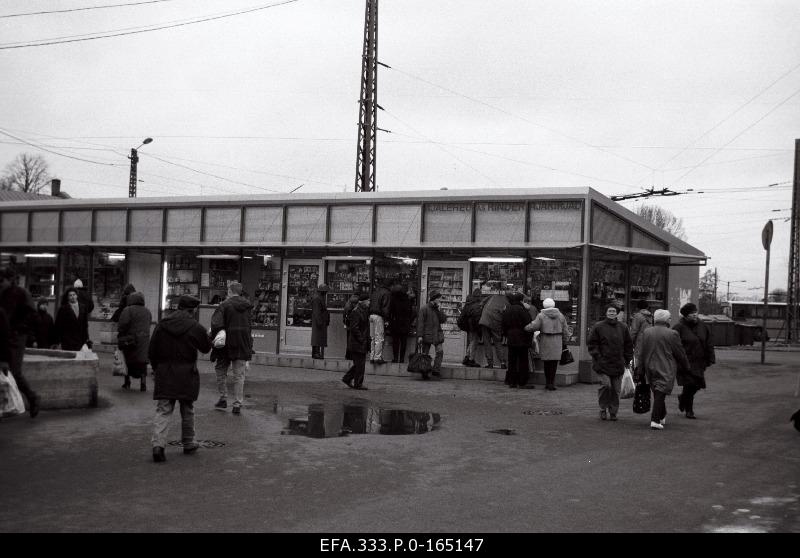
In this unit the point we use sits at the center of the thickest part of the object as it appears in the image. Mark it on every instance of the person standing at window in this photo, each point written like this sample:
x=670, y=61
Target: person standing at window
x=378, y=314
x=429, y=331
x=696, y=341
x=400, y=313
x=553, y=337
x=320, y=320
x=491, y=323
x=514, y=322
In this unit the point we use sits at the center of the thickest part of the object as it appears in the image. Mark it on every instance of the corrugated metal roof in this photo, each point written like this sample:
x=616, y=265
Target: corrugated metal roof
x=16, y=195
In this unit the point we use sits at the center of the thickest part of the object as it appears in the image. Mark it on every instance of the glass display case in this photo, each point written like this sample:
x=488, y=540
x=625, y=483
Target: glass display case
x=267, y=295
x=606, y=286
x=647, y=283
x=42, y=277
x=301, y=284
x=109, y=279
x=497, y=277
x=449, y=282
x=345, y=278
x=221, y=273
x=559, y=279
x=403, y=269
x=183, y=277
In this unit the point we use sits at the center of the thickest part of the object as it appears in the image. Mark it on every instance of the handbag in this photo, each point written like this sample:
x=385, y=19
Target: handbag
x=420, y=363
x=126, y=341
x=641, y=398
x=627, y=386
x=11, y=402
x=119, y=368
x=566, y=356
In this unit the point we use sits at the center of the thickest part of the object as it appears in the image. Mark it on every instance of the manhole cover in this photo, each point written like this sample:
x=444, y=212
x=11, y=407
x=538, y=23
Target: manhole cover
x=506, y=431
x=543, y=412
x=209, y=444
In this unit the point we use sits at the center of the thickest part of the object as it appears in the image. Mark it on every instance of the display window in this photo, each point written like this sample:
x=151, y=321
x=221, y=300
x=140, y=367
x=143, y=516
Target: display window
x=109, y=279
x=560, y=280
x=401, y=268
x=217, y=271
x=182, y=276
x=76, y=264
x=302, y=281
x=449, y=282
x=607, y=282
x=497, y=277
x=35, y=271
x=345, y=278
x=261, y=276
x=647, y=283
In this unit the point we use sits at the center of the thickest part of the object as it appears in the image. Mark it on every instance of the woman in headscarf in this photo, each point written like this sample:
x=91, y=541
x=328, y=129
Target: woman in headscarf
x=134, y=327
x=553, y=337
x=696, y=341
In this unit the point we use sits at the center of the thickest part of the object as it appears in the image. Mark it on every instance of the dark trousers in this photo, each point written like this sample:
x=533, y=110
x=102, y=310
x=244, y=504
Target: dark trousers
x=550, y=367
x=518, y=372
x=317, y=352
x=687, y=397
x=659, y=406
x=399, y=347
x=16, y=347
x=356, y=372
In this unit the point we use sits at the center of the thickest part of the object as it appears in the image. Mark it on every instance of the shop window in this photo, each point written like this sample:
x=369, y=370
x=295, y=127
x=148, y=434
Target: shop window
x=398, y=225
x=502, y=222
x=42, y=277
x=223, y=225
x=497, y=277
x=146, y=225
x=266, y=291
x=44, y=226
x=448, y=222
x=556, y=221
x=182, y=277
x=263, y=224
x=351, y=224
x=183, y=225
x=76, y=266
x=449, y=282
x=559, y=279
x=302, y=281
x=14, y=227
x=345, y=278
x=109, y=278
x=401, y=268
x=647, y=283
x=220, y=271
x=306, y=224
x=642, y=240
x=76, y=226
x=109, y=226
x=608, y=229
x=606, y=286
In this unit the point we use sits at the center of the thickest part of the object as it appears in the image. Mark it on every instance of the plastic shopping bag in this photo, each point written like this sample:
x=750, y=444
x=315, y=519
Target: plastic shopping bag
x=119, y=368
x=628, y=388
x=219, y=339
x=11, y=402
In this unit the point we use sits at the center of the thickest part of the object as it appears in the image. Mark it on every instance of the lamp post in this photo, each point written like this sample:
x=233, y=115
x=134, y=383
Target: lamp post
x=134, y=157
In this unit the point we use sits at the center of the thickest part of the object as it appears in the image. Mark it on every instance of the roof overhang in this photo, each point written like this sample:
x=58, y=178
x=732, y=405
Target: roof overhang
x=676, y=258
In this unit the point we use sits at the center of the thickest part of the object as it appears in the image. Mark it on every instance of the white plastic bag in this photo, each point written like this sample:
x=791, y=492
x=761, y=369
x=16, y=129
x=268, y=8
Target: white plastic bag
x=11, y=402
x=119, y=368
x=219, y=339
x=628, y=388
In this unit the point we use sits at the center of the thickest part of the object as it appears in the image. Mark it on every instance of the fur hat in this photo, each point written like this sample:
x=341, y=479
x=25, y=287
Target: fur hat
x=662, y=316
x=688, y=308
x=548, y=303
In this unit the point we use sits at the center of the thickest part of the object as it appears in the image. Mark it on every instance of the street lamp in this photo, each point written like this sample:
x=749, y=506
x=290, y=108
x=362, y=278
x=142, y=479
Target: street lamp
x=134, y=157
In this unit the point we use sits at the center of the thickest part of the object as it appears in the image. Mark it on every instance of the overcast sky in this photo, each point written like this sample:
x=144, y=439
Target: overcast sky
x=615, y=95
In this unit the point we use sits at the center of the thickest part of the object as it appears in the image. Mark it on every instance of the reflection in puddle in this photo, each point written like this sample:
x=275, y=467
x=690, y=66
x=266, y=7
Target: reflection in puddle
x=332, y=420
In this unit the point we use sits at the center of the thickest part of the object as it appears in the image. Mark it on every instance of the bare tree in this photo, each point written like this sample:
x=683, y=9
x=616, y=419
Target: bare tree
x=663, y=219
x=27, y=173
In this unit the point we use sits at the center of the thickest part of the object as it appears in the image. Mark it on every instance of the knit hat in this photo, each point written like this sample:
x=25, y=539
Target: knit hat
x=612, y=305
x=434, y=295
x=548, y=303
x=661, y=316
x=642, y=304
x=78, y=284
x=688, y=308
x=188, y=302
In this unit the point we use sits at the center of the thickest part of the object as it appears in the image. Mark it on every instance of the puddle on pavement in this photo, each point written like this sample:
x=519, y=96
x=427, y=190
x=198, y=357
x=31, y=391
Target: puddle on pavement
x=331, y=420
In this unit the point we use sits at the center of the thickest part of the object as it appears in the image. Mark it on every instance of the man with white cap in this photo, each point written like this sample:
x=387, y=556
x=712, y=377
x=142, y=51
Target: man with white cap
x=659, y=357
x=83, y=296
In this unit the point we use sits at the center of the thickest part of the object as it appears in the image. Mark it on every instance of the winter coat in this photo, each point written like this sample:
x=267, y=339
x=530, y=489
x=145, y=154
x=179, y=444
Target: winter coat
x=554, y=333
x=173, y=356
x=642, y=320
x=233, y=315
x=5, y=338
x=86, y=299
x=400, y=313
x=349, y=306
x=473, y=308
x=320, y=320
x=515, y=318
x=492, y=314
x=611, y=347
x=123, y=301
x=72, y=331
x=358, y=340
x=696, y=341
x=429, y=324
x=135, y=320
x=659, y=357
x=45, y=334
x=20, y=309
x=379, y=302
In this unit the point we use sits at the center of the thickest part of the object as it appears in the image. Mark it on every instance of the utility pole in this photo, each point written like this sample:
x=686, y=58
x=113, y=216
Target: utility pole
x=794, y=258
x=368, y=103
x=134, y=157
x=715, y=291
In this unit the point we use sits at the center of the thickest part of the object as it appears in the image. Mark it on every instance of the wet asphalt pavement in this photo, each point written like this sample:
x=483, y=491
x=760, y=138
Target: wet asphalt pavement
x=557, y=467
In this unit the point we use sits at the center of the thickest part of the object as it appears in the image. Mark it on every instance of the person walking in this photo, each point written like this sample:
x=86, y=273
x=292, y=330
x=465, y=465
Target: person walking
x=44, y=335
x=232, y=315
x=18, y=306
x=378, y=314
x=553, y=336
x=84, y=297
x=473, y=307
x=400, y=314
x=660, y=356
x=134, y=327
x=696, y=341
x=611, y=348
x=641, y=320
x=173, y=355
x=320, y=320
x=429, y=331
x=123, y=301
x=514, y=321
x=72, y=322
x=491, y=323
x=358, y=342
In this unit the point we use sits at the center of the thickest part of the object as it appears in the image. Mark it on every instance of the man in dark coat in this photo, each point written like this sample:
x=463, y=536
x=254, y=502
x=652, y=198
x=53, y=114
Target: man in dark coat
x=232, y=315
x=429, y=331
x=378, y=315
x=173, y=355
x=611, y=348
x=696, y=341
x=491, y=323
x=400, y=313
x=472, y=310
x=320, y=320
x=358, y=342
x=18, y=305
x=45, y=333
x=134, y=323
x=72, y=322
x=515, y=318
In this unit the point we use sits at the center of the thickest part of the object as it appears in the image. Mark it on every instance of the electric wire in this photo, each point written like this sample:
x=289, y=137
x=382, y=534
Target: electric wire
x=56, y=152
x=84, y=9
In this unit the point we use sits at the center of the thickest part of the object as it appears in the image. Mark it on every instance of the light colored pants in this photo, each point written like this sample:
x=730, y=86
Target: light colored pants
x=608, y=394
x=376, y=334
x=237, y=370
x=164, y=408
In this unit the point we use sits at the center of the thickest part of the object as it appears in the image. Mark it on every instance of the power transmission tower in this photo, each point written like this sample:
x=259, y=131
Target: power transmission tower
x=368, y=104
x=794, y=258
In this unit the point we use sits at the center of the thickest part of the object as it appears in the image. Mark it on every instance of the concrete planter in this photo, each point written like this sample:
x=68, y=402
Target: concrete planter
x=62, y=379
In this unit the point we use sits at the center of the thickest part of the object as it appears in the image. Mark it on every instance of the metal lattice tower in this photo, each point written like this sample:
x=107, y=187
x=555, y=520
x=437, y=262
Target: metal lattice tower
x=793, y=285
x=368, y=104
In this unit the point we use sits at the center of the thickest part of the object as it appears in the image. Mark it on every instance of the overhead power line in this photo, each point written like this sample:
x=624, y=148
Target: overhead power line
x=134, y=31
x=42, y=148
x=84, y=9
